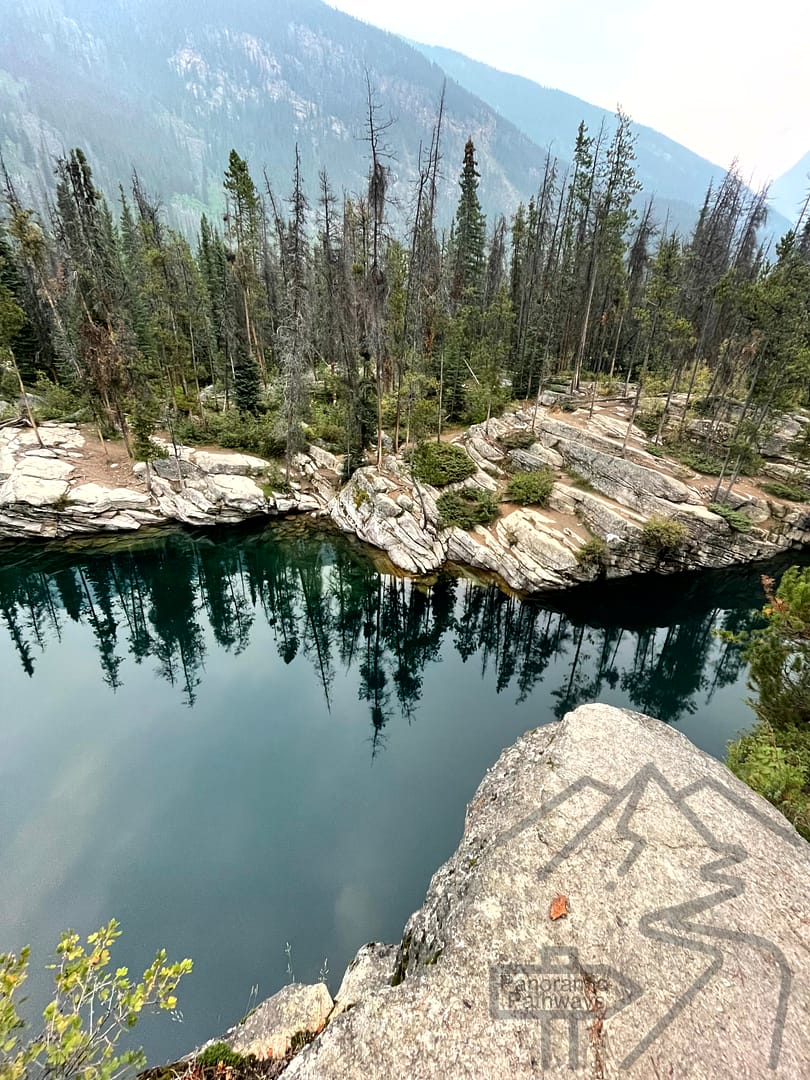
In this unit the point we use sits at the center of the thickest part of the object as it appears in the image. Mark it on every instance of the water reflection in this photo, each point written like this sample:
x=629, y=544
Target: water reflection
x=323, y=599
x=277, y=807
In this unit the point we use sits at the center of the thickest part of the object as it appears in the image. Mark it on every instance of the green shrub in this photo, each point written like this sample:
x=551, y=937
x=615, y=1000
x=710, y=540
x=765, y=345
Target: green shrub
x=664, y=536
x=775, y=765
x=592, y=554
x=517, y=440
x=697, y=459
x=220, y=1052
x=711, y=464
x=481, y=402
x=530, y=488
x=466, y=508
x=648, y=419
x=792, y=492
x=273, y=480
x=327, y=425
x=738, y=522
x=440, y=464
x=260, y=435
x=69, y=1039
x=57, y=402
x=774, y=758
x=9, y=386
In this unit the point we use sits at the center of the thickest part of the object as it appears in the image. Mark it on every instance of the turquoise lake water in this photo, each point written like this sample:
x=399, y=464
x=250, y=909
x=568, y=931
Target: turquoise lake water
x=244, y=741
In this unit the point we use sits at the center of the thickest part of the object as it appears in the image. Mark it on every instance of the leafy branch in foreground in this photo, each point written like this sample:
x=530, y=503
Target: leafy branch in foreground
x=93, y=1006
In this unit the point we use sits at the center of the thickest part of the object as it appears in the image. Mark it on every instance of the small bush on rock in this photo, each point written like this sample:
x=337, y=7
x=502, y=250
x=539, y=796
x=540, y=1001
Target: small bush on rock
x=737, y=521
x=440, y=464
x=530, y=488
x=664, y=536
x=792, y=492
x=517, y=440
x=466, y=508
x=592, y=554
x=220, y=1052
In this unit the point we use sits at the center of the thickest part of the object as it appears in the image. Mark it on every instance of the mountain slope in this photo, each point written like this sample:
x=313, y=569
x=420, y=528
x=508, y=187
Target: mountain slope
x=170, y=88
x=677, y=176
x=792, y=188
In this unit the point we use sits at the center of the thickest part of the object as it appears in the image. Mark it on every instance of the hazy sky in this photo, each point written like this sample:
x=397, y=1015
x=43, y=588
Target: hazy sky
x=728, y=78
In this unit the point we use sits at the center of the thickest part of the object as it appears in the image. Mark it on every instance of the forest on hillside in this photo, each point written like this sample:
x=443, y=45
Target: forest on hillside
x=303, y=316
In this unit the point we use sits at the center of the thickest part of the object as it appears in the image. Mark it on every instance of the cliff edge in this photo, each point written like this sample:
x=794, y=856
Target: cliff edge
x=619, y=905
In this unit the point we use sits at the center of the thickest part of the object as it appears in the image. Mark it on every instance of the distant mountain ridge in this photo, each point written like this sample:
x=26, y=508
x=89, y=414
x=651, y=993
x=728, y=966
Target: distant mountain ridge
x=676, y=176
x=170, y=88
x=792, y=188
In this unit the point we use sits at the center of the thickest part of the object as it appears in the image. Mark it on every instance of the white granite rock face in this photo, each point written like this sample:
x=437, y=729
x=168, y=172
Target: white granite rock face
x=528, y=549
x=620, y=905
x=40, y=496
x=268, y=1032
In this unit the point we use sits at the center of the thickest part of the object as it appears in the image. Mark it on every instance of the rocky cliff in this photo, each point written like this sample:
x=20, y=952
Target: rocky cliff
x=619, y=905
x=45, y=492
x=606, y=487
x=604, y=490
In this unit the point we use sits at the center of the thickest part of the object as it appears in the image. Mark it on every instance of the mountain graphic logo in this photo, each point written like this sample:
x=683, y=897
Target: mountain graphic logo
x=562, y=985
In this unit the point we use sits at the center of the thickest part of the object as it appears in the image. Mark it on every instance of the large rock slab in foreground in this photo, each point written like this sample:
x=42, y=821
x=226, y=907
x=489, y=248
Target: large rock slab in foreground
x=685, y=950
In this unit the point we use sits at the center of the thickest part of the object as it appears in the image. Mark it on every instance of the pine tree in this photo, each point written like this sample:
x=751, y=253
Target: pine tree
x=469, y=236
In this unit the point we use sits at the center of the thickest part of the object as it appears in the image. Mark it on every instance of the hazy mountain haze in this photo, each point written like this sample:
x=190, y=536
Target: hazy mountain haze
x=171, y=88
x=727, y=79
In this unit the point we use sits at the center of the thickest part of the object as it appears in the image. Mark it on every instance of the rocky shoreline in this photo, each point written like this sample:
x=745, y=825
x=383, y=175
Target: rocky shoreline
x=619, y=905
x=604, y=492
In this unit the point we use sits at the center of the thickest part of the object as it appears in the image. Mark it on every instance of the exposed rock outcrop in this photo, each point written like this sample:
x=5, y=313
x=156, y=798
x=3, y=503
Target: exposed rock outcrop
x=600, y=494
x=606, y=488
x=43, y=495
x=619, y=905
x=270, y=1029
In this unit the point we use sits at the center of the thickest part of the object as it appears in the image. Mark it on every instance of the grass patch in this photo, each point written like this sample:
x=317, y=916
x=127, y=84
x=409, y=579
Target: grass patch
x=466, y=508
x=530, y=488
x=440, y=464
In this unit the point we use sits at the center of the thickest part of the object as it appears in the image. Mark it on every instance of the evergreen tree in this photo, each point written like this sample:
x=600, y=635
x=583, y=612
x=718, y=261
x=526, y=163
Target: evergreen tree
x=469, y=236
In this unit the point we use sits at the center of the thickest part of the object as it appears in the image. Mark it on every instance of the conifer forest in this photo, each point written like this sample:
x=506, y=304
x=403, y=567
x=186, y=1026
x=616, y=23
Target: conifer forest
x=344, y=319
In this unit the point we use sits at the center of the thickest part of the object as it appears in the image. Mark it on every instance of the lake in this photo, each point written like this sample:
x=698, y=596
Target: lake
x=255, y=749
